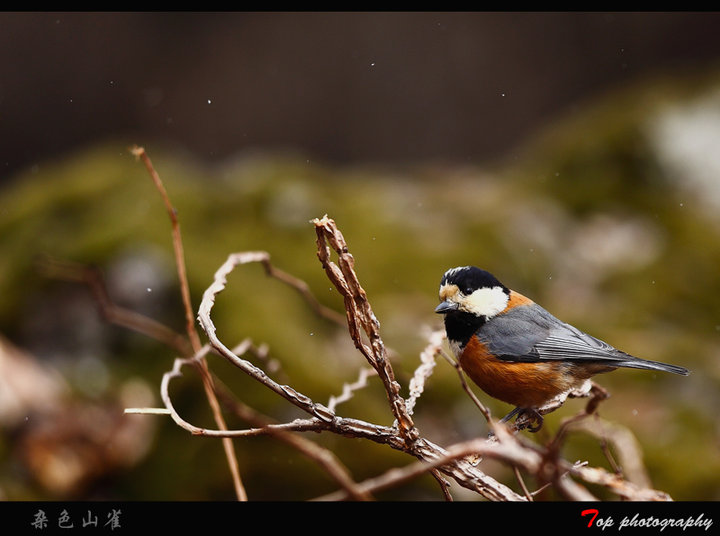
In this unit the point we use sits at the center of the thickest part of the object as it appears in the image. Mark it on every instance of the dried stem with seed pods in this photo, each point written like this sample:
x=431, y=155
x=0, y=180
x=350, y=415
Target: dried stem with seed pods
x=461, y=462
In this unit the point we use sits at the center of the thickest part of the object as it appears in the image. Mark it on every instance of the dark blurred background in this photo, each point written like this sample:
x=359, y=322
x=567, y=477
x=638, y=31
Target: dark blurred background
x=341, y=87
x=573, y=154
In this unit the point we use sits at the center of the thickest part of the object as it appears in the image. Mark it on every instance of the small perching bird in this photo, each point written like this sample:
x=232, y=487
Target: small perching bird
x=515, y=350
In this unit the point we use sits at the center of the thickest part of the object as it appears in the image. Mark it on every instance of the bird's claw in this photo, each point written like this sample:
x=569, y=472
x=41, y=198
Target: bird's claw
x=528, y=419
x=533, y=418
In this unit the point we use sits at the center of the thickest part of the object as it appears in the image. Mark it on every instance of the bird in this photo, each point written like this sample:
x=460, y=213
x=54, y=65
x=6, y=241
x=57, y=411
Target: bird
x=515, y=350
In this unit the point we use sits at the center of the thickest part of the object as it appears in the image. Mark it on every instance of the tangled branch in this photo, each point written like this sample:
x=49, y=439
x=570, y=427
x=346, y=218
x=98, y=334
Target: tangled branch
x=461, y=462
x=458, y=462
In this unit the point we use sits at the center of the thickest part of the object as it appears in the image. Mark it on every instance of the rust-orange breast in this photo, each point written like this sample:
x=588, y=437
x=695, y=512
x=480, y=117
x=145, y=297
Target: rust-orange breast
x=521, y=384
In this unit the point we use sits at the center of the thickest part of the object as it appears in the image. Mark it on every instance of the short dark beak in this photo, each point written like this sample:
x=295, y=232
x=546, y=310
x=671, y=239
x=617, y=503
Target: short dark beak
x=446, y=307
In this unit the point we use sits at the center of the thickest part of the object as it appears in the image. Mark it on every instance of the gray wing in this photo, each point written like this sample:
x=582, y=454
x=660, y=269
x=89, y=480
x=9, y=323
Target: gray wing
x=530, y=334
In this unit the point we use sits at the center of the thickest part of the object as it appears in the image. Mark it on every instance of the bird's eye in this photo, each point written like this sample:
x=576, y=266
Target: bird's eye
x=468, y=291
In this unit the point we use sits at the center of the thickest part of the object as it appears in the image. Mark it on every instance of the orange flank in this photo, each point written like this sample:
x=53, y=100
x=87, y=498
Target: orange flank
x=521, y=384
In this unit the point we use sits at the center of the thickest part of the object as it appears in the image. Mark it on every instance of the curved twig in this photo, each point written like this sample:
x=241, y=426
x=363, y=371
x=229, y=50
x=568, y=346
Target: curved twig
x=208, y=301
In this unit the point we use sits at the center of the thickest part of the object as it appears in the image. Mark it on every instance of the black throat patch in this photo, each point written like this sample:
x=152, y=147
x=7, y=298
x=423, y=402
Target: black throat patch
x=460, y=326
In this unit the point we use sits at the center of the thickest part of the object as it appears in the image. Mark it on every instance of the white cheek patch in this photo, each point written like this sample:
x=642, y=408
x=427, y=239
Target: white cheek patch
x=486, y=301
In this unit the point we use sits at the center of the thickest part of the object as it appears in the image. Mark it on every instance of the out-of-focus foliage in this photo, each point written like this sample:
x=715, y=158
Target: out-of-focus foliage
x=609, y=220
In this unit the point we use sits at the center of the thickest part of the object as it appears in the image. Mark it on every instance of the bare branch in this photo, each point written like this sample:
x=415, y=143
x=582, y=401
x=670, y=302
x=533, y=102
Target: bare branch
x=361, y=317
x=140, y=153
x=319, y=455
x=615, y=483
x=109, y=311
x=625, y=444
x=450, y=461
x=302, y=288
x=483, y=409
x=349, y=389
x=219, y=282
x=425, y=369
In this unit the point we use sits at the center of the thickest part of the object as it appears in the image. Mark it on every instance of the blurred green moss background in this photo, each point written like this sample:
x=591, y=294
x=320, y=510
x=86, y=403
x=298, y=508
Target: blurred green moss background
x=609, y=218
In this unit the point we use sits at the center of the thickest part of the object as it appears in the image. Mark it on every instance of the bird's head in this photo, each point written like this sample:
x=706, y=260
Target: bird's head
x=467, y=289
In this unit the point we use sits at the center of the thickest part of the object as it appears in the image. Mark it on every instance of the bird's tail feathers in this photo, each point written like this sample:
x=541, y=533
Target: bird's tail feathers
x=646, y=364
